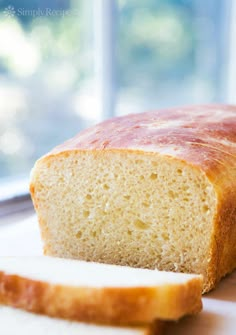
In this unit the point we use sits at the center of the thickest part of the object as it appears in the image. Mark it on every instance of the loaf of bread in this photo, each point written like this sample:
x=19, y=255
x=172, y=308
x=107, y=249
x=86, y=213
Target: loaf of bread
x=151, y=190
x=98, y=293
x=15, y=321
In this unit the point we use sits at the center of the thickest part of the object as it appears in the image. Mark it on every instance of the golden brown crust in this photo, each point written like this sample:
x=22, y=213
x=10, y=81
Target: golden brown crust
x=201, y=136
x=102, y=305
x=224, y=235
x=157, y=328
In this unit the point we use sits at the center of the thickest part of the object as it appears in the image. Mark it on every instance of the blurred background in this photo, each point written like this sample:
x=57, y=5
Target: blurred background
x=65, y=65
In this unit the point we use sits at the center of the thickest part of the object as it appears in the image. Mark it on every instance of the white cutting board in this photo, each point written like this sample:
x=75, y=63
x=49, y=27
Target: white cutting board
x=219, y=307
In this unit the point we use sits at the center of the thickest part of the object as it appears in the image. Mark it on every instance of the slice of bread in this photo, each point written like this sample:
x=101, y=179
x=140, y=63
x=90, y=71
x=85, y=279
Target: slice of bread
x=94, y=292
x=151, y=190
x=15, y=321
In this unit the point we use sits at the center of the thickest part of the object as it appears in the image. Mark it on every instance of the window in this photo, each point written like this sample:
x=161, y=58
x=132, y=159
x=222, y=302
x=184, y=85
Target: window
x=46, y=69
x=171, y=53
x=65, y=65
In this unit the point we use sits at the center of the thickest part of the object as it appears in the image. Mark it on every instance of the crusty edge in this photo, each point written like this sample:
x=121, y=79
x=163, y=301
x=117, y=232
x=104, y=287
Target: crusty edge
x=120, y=305
x=20, y=323
x=156, y=328
x=223, y=244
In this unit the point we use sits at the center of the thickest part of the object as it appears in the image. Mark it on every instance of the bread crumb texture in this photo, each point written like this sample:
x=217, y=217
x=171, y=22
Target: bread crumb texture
x=143, y=207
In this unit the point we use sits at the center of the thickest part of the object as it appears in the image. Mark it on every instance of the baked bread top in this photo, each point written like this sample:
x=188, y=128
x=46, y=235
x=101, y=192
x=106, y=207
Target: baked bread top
x=202, y=135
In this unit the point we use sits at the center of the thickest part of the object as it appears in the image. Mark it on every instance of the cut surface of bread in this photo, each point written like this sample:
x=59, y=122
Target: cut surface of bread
x=15, y=321
x=94, y=292
x=151, y=190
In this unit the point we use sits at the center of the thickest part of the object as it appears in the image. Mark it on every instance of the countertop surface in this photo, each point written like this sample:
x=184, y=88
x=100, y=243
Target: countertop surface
x=22, y=238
